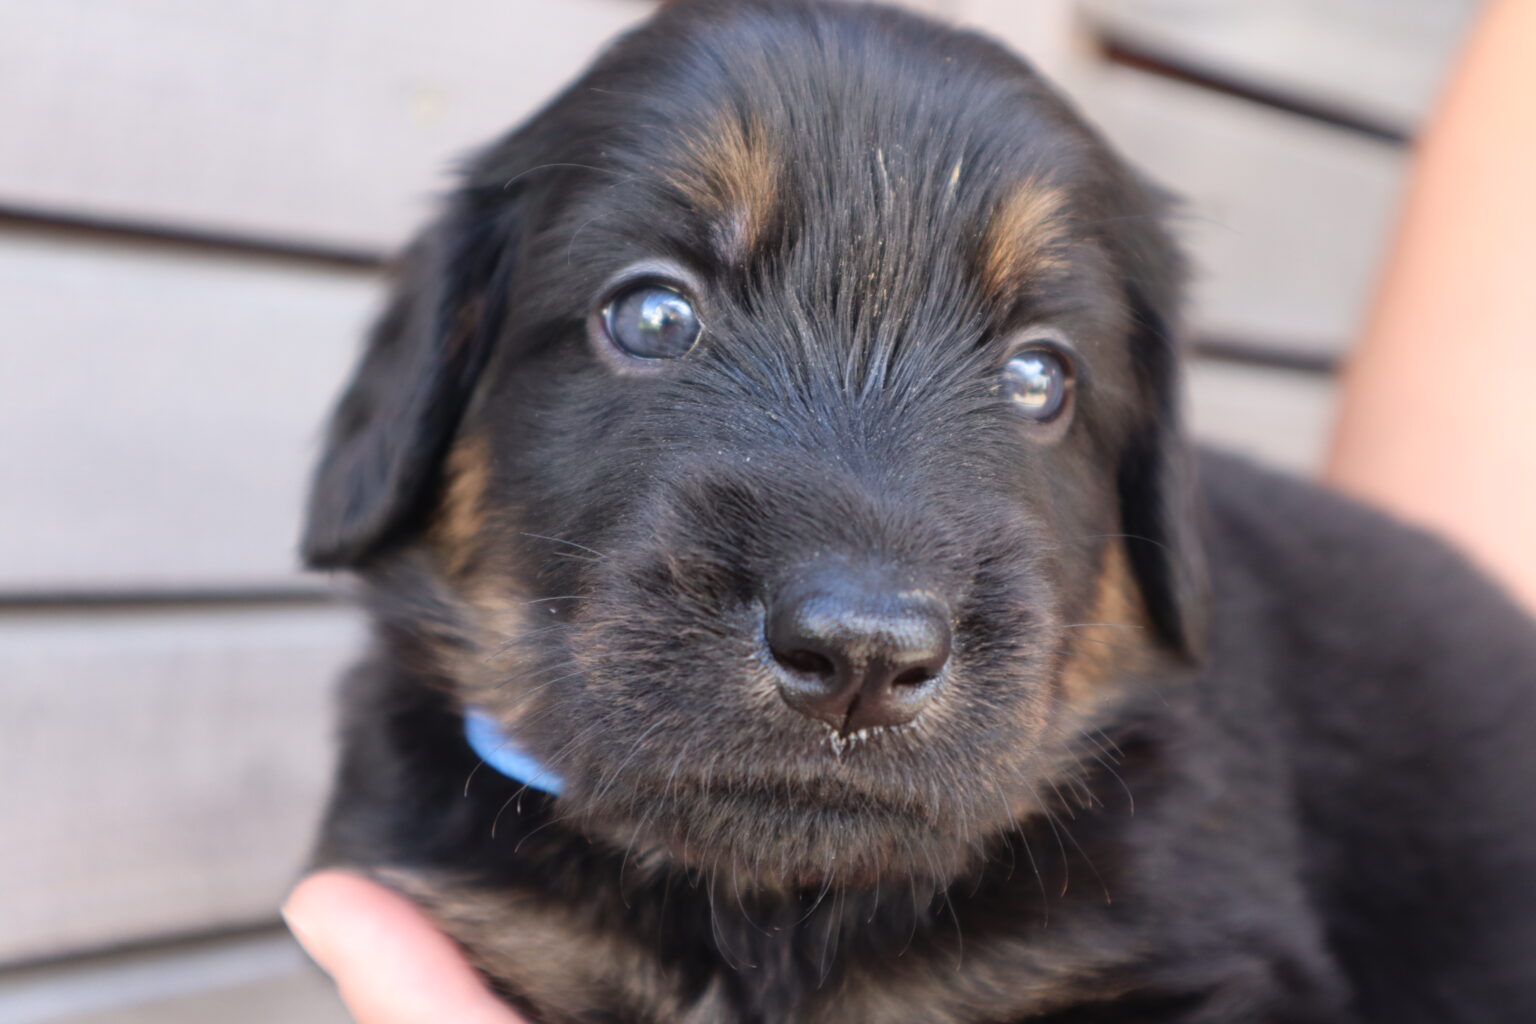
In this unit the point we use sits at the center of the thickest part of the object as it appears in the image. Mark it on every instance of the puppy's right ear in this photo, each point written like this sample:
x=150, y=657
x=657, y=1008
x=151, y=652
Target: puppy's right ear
x=416, y=375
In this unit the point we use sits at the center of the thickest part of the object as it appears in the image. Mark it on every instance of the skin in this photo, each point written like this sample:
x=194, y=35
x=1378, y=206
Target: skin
x=1437, y=417
x=390, y=964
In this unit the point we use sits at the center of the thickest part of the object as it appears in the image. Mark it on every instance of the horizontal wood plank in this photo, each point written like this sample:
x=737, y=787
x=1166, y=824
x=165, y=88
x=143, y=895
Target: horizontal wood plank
x=1278, y=417
x=330, y=124
x=163, y=770
x=1286, y=220
x=304, y=996
x=159, y=409
x=1379, y=62
x=249, y=978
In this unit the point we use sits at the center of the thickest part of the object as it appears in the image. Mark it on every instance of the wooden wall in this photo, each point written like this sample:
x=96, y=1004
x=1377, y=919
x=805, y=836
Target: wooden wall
x=195, y=200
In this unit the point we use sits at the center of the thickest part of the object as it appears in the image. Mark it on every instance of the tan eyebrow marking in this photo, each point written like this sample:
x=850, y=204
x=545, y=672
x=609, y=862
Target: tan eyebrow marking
x=731, y=174
x=1024, y=239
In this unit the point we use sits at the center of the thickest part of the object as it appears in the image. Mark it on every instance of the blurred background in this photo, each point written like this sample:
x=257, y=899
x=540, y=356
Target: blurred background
x=196, y=201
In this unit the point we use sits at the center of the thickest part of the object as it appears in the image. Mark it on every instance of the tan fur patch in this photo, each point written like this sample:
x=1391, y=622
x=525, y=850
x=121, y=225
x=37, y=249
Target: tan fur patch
x=1114, y=643
x=1024, y=239
x=471, y=556
x=732, y=175
x=457, y=532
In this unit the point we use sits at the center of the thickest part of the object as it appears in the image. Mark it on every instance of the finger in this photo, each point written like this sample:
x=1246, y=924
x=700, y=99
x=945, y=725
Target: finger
x=389, y=961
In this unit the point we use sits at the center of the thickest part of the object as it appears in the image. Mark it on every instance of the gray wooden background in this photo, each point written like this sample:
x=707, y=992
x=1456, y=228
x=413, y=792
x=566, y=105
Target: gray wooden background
x=195, y=201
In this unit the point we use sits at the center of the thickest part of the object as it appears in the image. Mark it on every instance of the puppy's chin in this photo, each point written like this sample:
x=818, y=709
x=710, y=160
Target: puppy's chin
x=771, y=837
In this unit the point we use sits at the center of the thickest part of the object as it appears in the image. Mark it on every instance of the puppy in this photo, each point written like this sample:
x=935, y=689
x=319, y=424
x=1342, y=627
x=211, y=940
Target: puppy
x=794, y=601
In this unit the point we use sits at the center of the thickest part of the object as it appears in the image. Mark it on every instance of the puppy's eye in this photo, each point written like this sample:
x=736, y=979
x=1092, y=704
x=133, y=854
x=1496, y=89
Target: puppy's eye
x=1038, y=381
x=652, y=321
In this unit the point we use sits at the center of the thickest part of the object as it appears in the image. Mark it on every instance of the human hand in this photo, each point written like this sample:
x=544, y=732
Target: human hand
x=388, y=960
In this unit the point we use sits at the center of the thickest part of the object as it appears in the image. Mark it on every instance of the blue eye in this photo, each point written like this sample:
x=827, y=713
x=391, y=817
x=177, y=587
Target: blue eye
x=652, y=321
x=1038, y=381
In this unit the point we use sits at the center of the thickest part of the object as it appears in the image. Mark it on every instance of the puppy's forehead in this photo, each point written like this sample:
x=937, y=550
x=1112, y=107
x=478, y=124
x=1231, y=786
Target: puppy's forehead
x=749, y=179
x=877, y=150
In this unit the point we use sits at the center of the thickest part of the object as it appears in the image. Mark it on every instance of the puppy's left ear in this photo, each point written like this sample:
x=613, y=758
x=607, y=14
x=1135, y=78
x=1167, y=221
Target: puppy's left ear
x=416, y=375
x=1159, y=506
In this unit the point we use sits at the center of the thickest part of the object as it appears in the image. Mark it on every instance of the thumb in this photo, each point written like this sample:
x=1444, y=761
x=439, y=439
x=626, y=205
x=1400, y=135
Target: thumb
x=389, y=961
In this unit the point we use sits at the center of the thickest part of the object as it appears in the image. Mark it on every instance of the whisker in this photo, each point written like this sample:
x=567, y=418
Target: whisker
x=554, y=819
x=562, y=540
x=524, y=635
x=1110, y=764
x=611, y=779
x=1128, y=536
x=552, y=166
x=471, y=777
x=542, y=686
x=1050, y=819
x=959, y=934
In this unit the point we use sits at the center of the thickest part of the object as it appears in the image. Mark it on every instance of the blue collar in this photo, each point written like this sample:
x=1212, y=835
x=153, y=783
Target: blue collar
x=493, y=746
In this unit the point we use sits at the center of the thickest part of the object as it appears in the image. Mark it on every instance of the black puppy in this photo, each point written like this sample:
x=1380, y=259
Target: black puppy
x=792, y=597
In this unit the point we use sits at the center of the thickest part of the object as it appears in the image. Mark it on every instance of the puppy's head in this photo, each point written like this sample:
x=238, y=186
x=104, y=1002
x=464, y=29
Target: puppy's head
x=772, y=419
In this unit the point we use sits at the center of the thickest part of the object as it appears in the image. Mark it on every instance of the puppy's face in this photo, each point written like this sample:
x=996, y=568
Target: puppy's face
x=770, y=415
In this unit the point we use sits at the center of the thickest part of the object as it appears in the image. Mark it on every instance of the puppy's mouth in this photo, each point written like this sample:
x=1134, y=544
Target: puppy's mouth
x=889, y=803
x=842, y=740
x=771, y=836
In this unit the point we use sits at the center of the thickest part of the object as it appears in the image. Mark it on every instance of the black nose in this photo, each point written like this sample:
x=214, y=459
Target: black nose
x=858, y=649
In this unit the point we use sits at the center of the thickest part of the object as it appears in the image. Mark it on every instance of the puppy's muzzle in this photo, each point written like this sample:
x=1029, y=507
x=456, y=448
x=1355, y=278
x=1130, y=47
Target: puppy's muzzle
x=858, y=648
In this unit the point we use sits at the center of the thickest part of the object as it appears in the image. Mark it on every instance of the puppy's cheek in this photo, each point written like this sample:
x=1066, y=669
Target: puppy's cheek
x=484, y=632
x=474, y=603
x=1111, y=645
x=457, y=535
x=657, y=683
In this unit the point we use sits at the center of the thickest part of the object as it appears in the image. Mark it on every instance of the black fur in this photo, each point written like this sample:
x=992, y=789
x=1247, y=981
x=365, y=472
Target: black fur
x=1293, y=783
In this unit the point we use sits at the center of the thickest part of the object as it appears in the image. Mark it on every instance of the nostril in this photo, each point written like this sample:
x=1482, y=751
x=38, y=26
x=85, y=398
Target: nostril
x=810, y=663
x=914, y=677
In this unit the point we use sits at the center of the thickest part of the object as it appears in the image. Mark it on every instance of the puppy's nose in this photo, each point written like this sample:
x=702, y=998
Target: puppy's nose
x=856, y=649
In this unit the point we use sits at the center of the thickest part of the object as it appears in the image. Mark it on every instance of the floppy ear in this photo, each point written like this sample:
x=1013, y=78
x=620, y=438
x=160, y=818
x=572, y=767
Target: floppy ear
x=416, y=375
x=1159, y=508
